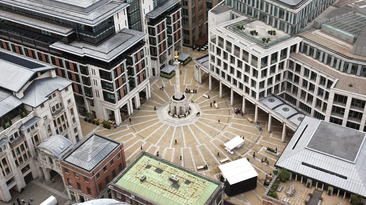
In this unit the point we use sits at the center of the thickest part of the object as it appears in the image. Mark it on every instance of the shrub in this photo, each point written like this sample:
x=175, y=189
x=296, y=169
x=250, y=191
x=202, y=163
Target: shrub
x=93, y=122
x=106, y=125
x=320, y=198
x=308, y=185
x=9, y=120
x=284, y=175
x=89, y=120
x=97, y=123
x=329, y=192
x=263, y=39
x=85, y=119
x=189, y=59
x=276, y=185
x=274, y=195
x=3, y=124
x=238, y=26
x=306, y=202
x=350, y=85
x=168, y=76
x=310, y=194
x=268, y=39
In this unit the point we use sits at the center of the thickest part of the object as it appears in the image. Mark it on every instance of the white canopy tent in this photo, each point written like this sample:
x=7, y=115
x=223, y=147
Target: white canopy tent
x=236, y=142
x=238, y=171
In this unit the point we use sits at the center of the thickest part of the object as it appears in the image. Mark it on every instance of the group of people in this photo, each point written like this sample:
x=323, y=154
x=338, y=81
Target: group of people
x=265, y=161
x=239, y=111
x=189, y=91
x=23, y=201
x=162, y=88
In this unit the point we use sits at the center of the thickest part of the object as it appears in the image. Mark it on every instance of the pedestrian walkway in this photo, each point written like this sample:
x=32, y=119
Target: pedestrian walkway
x=40, y=190
x=315, y=198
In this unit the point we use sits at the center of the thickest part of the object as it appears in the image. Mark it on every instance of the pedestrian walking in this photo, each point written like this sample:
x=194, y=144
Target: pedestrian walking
x=31, y=199
x=141, y=147
x=218, y=120
x=210, y=104
x=218, y=154
x=157, y=153
x=265, y=159
x=175, y=141
x=267, y=163
x=154, y=108
x=262, y=160
x=180, y=72
x=129, y=120
x=29, y=203
x=253, y=154
x=214, y=101
x=180, y=157
x=23, y=201
x=276, y=149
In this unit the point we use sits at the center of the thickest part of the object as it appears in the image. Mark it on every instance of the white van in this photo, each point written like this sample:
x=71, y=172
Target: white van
x=50, y=201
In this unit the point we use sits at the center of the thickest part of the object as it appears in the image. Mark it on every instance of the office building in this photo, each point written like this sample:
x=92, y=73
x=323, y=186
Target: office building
x=90, y=166
x=90, y=43
x=319, y=72
x=35, y=105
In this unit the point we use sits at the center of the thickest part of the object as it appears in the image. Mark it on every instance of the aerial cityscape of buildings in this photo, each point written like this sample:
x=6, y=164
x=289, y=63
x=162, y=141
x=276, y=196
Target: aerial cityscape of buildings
x=101, y=94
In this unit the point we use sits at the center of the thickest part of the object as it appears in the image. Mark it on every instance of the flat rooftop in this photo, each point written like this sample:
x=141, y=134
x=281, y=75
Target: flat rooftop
x=329, y=42
x=161, y=9
x=351, y=25
x=337, y=141
x=91, y=151
x=253, y=43
x=191, y=188
x=107, y=50
x=72, y=10
x=345, y=79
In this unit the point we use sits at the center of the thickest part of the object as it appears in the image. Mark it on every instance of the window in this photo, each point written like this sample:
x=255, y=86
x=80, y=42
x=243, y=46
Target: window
x=66, y=171
x=86, y=180
x=118, y=156
x=106, y=180
x=100, y=188
x=105, y=169
x=69, y=182
x=45, y=118
x=89, y=191
x=113, y=173
x=79, y=186
x=98, y=176
x=111, y=162
x=120, y=167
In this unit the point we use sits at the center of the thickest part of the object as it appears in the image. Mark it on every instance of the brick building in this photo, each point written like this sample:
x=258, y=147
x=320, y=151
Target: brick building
x=153, y=180
x=89, y=167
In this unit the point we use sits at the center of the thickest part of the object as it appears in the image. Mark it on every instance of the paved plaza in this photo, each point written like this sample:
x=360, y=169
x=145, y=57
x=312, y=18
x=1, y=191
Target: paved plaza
x=198, y=142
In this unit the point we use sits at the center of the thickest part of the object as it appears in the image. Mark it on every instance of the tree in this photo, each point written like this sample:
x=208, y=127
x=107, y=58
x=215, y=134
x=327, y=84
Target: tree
x=21, y=113
x=3, y=124
x=284, y=175
x=25, y=112
x=355, y=199
x=9, y=120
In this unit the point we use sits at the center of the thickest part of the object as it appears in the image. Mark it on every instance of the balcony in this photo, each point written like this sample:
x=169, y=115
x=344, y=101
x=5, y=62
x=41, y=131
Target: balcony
x=18, y=140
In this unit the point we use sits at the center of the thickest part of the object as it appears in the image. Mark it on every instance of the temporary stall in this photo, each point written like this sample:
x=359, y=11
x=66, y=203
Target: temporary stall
x=239, y=176
x=236, y=142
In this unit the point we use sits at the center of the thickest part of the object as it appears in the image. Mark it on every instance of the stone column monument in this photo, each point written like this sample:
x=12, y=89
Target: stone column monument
x=178, y=104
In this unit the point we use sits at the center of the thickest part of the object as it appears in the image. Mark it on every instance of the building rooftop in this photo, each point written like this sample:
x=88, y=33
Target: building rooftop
x=344, y=79
x=253, y=43
x=329, y=42
x=191, y=188
x=29, y=123
x=283, y=109
x=103, y=202
x=238, y=171
x=8, y=101
x=91, y=151
x=203, y=60
x=57, y=144
x=38, y=92
x=106, y=51
x=35, y=23
x=17, y=70
x=337, y=141
x=161, y=9
x=350, y=25
x=87, y=12
x=329, y=161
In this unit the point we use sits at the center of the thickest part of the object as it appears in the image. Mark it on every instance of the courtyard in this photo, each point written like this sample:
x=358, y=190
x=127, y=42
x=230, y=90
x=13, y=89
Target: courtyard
x=202, y=142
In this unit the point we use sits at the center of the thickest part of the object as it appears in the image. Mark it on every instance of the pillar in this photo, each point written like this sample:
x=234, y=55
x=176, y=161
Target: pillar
x=344, y=195
x=284, y=132
x=46, y=174
x=295, y=177
x=220, y=90
x=209, y=82
x=117, y=116
x=338, y=193
x=256, y=113
x=148, y=91
x=243, y=106
x=129, y=107
x=137, y=100
x=269, y=122
x=231, y=97
x=4, y=191
x=301, y=179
